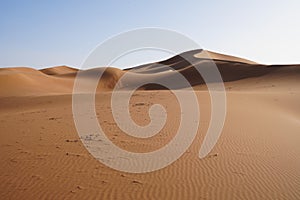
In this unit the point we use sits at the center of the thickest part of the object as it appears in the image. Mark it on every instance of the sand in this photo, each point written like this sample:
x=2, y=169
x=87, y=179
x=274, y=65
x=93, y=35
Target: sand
x=256, y=157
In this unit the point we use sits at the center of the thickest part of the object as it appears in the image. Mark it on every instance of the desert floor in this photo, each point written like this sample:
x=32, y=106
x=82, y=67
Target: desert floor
x=256, y=157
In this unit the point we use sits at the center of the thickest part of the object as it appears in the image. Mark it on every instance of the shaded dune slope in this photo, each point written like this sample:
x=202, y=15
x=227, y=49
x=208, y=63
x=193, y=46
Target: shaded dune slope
x=232, y=69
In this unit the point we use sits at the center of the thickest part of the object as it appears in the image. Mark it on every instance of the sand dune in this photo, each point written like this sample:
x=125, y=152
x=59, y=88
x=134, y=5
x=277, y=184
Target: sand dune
x=59, y=70
x=257, y=156
x=188, y=58
x=221, y=57
x=27, y=82
x=234, y=72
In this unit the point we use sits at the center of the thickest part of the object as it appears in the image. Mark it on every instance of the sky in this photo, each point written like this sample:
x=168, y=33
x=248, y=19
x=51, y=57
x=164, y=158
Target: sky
x=44, y=33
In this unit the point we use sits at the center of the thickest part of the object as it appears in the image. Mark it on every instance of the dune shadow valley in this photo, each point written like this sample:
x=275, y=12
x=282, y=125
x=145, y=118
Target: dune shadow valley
x=256, y=156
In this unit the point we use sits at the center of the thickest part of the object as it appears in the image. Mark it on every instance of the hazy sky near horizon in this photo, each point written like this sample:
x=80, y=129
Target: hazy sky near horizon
x=49, y=33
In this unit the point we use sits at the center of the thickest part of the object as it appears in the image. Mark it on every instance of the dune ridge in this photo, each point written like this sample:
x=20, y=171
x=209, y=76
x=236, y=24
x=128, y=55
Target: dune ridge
x=59, y=70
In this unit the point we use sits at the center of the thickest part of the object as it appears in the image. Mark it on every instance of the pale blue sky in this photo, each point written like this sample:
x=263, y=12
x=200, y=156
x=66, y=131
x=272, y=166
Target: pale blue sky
x=48, y=33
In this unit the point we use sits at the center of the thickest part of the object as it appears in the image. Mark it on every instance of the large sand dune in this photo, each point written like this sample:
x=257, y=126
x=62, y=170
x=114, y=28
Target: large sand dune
x=257, y=156
x=59, y=80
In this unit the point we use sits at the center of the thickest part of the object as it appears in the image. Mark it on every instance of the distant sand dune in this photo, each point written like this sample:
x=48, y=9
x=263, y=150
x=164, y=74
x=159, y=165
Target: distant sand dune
x=235, y=72
x=59, y=70
x=27, y=82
